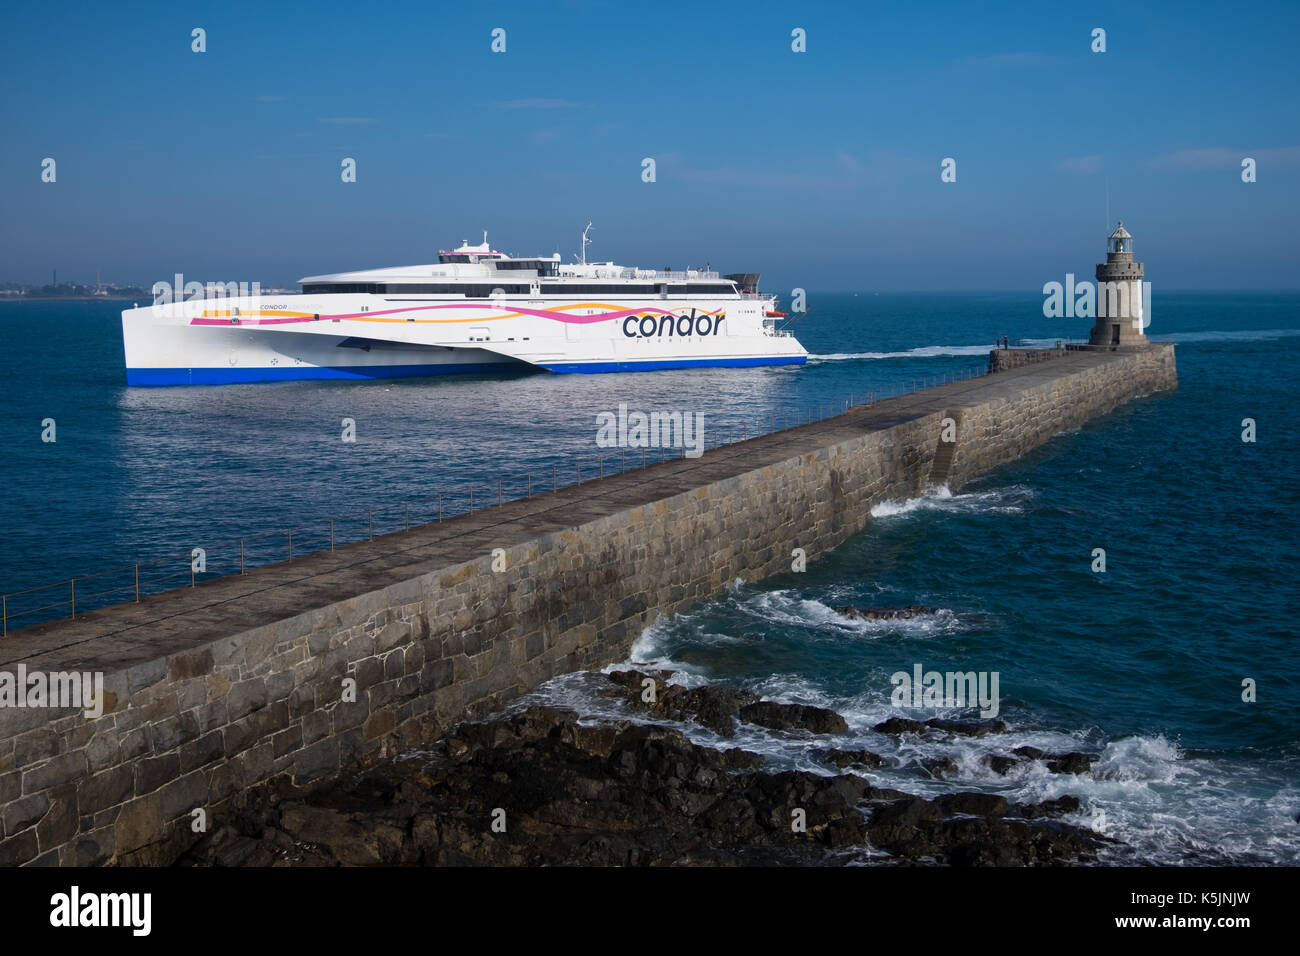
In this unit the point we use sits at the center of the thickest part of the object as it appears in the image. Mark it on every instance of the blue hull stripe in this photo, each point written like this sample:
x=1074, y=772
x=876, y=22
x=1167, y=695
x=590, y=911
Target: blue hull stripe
x=233, y=376
x=649, y=366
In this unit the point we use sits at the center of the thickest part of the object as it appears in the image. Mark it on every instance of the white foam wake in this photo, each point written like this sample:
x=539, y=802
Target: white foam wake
x=1243, y=335
x=926, y=351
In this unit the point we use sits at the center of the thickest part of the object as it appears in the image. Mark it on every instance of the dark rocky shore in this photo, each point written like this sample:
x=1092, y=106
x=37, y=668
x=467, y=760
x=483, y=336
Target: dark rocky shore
x=539, y=787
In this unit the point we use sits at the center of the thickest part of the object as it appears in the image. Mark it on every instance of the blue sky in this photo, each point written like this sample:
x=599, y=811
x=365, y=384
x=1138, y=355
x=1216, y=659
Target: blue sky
x=819, y=169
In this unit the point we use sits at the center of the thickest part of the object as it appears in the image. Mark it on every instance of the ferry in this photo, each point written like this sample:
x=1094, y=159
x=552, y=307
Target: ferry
x=475, y=310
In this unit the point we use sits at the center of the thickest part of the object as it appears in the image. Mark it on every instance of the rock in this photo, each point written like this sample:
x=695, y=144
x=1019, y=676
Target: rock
x=844, y=759
x=1074, y=762
x=884, y=613
x=774, y=716
x=974, y=804
x=1002, y=765
x=635, y=679
x=939, y=767
x=713, y=706
x=965, y=728
x=1029, y=753
x=1065, y=804
x=623, y=795
x=900, y=725
x=968, y=728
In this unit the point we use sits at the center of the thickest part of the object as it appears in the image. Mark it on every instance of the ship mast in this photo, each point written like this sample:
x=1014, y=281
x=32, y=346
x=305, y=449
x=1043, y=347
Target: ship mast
x=585, y=240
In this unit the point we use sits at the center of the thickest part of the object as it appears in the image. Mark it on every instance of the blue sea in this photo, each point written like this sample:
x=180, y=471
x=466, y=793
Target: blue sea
x=1141, y=666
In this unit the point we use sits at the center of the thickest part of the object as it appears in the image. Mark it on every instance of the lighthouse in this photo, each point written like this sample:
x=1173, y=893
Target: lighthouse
x=1120, y=317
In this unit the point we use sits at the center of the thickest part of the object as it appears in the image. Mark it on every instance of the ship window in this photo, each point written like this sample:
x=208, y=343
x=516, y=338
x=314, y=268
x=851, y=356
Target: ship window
x=699, y=288
x=469, y=290
x=343, y=288
x=545, y=267
x=591, y=288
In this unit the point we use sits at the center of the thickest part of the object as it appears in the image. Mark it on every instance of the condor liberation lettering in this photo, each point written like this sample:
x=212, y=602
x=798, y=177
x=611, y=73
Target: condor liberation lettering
x=645, y=326
x=77, y=909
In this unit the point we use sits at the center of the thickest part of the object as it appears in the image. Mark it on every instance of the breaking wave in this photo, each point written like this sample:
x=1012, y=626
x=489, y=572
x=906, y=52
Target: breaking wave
x=1014, y=499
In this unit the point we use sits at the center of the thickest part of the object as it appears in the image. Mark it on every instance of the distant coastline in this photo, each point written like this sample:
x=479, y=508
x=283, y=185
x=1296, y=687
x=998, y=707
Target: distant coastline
x=69, y=292
x=114, y=297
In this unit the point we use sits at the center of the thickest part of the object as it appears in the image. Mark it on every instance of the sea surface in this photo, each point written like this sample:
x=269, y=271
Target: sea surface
x=1141, y=666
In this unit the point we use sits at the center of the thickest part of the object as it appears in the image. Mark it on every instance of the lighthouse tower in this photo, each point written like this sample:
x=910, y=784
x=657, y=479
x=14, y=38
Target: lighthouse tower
x=1120, y=319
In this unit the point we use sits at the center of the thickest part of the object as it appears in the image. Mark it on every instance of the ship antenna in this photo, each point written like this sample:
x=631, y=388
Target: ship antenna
x=585, y=240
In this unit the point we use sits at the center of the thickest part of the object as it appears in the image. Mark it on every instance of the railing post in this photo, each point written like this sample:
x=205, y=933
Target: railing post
x=241, y=555
x=440, y=506
x=471, y=499
x=623, y=467
x=577, y=470
x=407, y=506
x=137, y=584
x=530, y=485
x=5, y=601
x=331, y=534
x=555, y=478
x=499, y=498
x=371, y=515
x=642, y=456
x=73, y=582
x=290, y=533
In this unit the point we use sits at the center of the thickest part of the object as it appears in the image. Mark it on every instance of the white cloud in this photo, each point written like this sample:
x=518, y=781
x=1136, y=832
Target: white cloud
x=1218, y=157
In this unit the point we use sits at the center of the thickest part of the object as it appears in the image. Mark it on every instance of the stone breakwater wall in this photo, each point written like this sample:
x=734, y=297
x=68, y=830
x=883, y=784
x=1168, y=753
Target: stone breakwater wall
x=1000, y=360
x=213, y=690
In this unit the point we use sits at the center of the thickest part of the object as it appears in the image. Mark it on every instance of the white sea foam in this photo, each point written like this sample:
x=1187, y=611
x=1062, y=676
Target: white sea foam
x=925, y=351
x=1009, y=500
x=791, y=609
x=1162, y=806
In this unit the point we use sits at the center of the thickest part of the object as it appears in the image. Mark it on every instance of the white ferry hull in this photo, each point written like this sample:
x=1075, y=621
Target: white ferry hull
x=364, y=336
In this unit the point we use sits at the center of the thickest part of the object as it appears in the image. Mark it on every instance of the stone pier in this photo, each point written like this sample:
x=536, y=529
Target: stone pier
x=304, y=668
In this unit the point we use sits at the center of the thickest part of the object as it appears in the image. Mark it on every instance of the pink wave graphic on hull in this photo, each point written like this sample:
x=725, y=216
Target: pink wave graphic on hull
x=512, y=311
